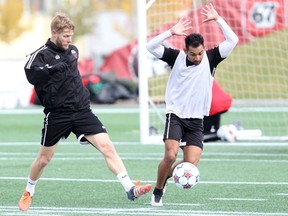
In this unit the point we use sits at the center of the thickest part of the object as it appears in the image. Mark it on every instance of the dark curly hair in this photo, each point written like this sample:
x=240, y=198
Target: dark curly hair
x=194, y=40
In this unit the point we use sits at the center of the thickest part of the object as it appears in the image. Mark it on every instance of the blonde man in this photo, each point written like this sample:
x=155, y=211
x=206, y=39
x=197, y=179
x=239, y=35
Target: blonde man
x=53, y=71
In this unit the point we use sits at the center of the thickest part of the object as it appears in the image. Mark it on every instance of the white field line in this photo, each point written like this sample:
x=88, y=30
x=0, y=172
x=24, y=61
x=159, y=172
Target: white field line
x=237, y=199
x=144, y=181
x=152, y=154
x=55, y=211
x=55, y=158
x=38, y=111
x=237, y=144
x=63, y=143
x=115, y=110
x=271, y=158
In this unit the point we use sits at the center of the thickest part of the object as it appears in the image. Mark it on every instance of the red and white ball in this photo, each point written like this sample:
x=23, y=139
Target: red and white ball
x=186, y=175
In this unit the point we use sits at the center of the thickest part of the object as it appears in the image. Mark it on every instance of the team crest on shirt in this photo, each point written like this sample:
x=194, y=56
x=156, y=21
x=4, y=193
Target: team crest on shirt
x=74, y=53
x=57, y=57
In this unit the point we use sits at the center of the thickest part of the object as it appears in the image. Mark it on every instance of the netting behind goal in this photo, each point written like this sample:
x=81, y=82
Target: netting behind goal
x=255, y=74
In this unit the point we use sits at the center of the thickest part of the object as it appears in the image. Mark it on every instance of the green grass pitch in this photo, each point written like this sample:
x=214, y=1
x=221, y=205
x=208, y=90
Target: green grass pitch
x=235, y=179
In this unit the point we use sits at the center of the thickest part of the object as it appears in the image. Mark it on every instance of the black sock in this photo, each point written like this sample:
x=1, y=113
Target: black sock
x=166, y=180
x=158, y=192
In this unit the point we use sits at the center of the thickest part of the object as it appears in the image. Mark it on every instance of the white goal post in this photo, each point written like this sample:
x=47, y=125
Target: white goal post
x=255, y=74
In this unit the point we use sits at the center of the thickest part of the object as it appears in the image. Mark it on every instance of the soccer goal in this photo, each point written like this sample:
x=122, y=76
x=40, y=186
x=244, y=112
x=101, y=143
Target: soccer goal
x=255, y=74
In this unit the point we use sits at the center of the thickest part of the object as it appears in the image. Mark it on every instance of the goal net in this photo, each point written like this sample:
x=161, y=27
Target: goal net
x=255, y=74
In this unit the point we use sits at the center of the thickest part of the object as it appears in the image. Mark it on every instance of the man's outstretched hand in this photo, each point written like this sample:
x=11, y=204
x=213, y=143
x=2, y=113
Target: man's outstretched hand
x=181, y=27
x=209, y=13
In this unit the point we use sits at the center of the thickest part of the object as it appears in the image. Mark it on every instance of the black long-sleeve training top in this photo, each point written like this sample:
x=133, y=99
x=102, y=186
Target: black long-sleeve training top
x=57, y=90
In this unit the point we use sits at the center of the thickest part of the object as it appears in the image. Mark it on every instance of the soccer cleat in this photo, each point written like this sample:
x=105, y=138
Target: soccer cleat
x=25, y=201
x=156, y=200
x=138, y=190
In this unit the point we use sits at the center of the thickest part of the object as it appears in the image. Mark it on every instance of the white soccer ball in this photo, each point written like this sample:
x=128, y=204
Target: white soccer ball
x=186, y=175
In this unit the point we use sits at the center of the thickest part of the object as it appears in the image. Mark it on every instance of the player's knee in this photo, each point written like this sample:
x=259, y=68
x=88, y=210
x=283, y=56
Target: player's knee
x=108, y=149
x=170, y=158
x=43, y=161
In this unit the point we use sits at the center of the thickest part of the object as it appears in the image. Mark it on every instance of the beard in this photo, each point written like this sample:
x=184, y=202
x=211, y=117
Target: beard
x=60, y=44
x=194, y=62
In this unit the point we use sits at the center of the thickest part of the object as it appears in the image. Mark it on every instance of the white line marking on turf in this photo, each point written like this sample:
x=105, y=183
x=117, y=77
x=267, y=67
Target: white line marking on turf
x=115, y=109
x=239, y=144
x=55, y=211
x=238, y=199
x=64, y=143
x=144, y=181
x=242, y=154
x=281, y=194
x=56, y=158
x=98, y=110
x=178, y=204
x=153, y=154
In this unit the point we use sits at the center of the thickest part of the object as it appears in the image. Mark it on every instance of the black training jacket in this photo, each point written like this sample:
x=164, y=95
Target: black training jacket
x=60, y=90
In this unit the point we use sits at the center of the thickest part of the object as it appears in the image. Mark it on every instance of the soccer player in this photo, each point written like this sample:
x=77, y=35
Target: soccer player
x=188, y=91
x=53, y=71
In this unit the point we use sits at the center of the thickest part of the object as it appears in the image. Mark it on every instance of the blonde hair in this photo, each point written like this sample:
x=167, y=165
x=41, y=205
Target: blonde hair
x=60, y=22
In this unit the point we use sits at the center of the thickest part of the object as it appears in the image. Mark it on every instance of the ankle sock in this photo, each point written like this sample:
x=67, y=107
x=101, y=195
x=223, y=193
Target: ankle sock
x=30, y=187
x=125, y=180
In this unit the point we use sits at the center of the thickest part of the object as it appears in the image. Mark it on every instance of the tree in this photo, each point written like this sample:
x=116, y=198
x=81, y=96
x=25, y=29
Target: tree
x=81, y=12
x=10, y=17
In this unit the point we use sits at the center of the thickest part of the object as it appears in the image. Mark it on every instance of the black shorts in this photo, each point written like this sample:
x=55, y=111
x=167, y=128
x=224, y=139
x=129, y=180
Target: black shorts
x=186, y=131
x=59, y=125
